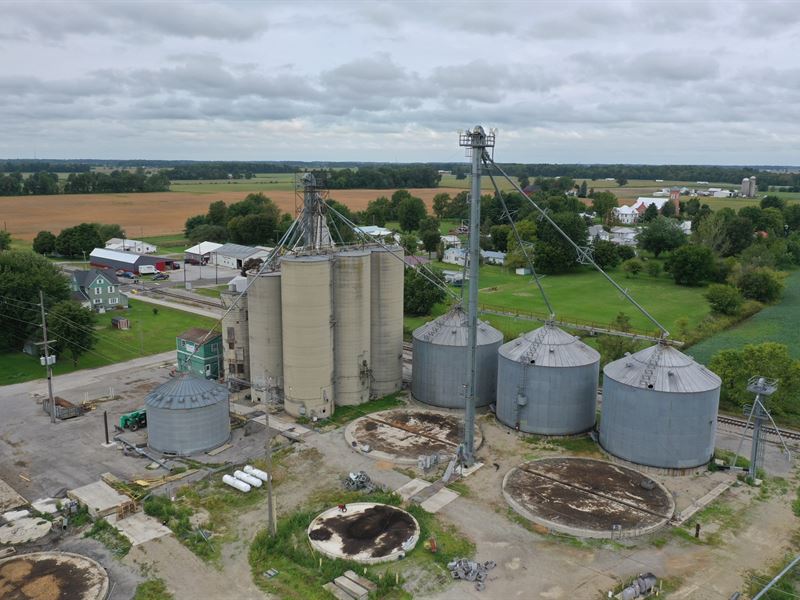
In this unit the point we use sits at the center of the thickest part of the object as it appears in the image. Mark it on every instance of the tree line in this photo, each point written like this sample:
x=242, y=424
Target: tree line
x=47, y=183
x=379, y=177
x=253, y=221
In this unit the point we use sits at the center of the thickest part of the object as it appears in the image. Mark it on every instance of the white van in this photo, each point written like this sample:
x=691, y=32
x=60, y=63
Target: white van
x=148, y=270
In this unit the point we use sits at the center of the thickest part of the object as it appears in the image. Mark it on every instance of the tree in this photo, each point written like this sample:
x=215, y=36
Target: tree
x=378, y=212
x=791, y=216
x=74, y=241
x=5, y=240
x=409, y=243
x=217, y=213
x=603, y=203
x=605, y=254
x=72, y=326
x=761, y=283
x=738, y=235
x=252, y=229
x=632, y=267
x=582, y=190
x=654, y=268
x=768, y=359
x=626, y=252
x=500, y=236
x=614, y=347
x=724, y=299
x=773, y=202
x=554, y=254
x=661, y=235
x=441, y=205
x=430, y=240
x=108, y=231
x=193, y=222
x=22, y=275
x=419, y=294
x=44, y=243
x=650, y=213
x=691, y=265
x=621, y=181
x=410, y=212
x=208, y=233
x=668, y=210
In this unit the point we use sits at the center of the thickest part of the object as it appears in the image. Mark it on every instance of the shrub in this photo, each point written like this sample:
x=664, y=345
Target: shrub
x=762, y=284
x=654, y=268
x=691, y=265
x=724, y=299
x=633, y=266
x=626, y=252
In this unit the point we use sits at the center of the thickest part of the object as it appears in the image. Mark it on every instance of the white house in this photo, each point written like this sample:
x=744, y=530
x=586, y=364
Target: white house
x=626, y=215
x=491, y=257
x=455, y=256
x=597, y=232
x=453, y=277
x=451, y=241
x=126, y=245
x=624, y=236
x=646, y=202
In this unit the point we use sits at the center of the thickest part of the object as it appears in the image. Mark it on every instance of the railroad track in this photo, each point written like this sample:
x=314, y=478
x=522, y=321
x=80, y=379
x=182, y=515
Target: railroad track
x=787, y=434
x=193, y=299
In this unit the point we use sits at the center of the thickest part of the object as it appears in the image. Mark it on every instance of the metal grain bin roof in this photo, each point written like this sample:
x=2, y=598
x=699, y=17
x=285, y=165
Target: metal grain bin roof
x=451, y=329
x=186, y=391
x=549, y=346
x=664, y=369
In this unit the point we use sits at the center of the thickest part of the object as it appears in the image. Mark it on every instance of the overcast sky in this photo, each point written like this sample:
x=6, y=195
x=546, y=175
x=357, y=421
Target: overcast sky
x=646, y=82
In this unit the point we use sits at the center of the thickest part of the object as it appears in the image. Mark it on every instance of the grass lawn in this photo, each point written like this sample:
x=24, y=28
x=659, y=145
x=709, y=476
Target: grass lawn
x=149, y=334
x=211, y=292
x=262, y=182
x=584, y=296
x=169, y=244
x=776, y=323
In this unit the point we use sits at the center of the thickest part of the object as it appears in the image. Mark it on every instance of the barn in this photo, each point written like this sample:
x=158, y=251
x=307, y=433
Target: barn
x=113, y=259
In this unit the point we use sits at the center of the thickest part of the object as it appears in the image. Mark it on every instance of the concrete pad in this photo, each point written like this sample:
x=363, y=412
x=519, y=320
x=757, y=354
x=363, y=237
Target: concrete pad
x=287, y=427
x=13, y=515
x=46, y=505
x=439, y=500
x=139, y=528
x=99, y=497
x=362, y=581
x=336, y=591
x=470, y=470
x=9, y=498
x=412, y=488
x=25, y=529
x=352, y=588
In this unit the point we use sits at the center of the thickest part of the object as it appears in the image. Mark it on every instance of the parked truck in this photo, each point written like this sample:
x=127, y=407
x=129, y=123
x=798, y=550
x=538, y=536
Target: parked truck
x=133, y=420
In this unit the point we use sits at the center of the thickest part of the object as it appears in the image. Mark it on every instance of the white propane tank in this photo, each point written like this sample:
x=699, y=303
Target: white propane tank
x=248, y=479
x=251, y=470
x=235, y=483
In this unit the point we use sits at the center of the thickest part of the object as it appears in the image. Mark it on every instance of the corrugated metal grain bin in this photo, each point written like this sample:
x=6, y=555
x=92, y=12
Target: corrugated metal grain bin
x=547, y=383
x=440, y=361
x=659, y=409
x=187, y=414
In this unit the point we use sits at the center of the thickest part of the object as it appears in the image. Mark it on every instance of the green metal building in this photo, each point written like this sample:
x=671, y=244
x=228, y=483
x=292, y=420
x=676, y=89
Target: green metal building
x=206, y=355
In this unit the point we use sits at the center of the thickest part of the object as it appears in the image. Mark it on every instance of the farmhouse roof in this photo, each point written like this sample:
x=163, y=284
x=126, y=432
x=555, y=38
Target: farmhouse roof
x=85, y=278
x=196, y=335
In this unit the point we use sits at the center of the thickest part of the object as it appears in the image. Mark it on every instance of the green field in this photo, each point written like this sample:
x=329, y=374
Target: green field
x=777, y=323
x=583, y=296
x=149, y=334
x=169, y=244
x=262, y=182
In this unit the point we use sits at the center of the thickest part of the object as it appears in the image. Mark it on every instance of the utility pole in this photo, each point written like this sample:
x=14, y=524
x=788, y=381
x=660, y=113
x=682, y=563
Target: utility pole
x=48, y=360
x=477, y=141
x=270, y=506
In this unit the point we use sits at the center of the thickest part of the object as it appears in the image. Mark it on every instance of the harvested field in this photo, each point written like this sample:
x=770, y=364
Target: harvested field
x=146, y=215
x=587, y=497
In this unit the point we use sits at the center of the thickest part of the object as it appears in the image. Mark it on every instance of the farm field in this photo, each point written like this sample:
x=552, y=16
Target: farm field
x=154, y=214
x=777, y=323
x=149, y=334
x=584, y=296
x=262, y=182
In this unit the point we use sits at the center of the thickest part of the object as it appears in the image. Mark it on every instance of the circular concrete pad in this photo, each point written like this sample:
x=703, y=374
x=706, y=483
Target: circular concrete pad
x=52, y=576
x=367, y=533
x=23, y=530
x=402, y=435
x=585, y=497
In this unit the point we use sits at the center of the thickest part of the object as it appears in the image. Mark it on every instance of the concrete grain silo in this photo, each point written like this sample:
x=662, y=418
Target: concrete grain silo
x=659, y=409
x=236, y=336
x=386, y=329
x=307, y=335
x=265, y=336
x=547, y=383
x=440, y=361
x=351, y=334
x=187, y=414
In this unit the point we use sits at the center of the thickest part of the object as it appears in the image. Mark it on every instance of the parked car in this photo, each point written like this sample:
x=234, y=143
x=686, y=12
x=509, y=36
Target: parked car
x=127, y=275
x=176, y=265
x=160, y=276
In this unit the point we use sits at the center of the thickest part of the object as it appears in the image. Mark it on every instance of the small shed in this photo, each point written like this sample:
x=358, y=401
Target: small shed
x=120, y=323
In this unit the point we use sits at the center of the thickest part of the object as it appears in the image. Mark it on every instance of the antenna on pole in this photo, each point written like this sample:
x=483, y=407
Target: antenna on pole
x=476, y=141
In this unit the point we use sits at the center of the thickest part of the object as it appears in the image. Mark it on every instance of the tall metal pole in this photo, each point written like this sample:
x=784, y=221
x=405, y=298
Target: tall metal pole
x=777, y=578
x=759, y=416
x=476, y=140
x=47, y=361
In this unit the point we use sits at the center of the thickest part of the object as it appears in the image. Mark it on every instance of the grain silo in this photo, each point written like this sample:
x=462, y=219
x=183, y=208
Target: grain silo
x=547, y=383
x=307, y=335
x=659, y=409
x=440, y=361
x=265, y=336
x=386, y=329
x=351, y=312
x=187, y=414
x=235, y=332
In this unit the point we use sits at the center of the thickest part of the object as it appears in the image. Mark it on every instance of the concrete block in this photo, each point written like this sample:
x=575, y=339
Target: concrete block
x=336, y=592
x=354, y=590
x=99, y=497
x=439, y=500
x=362, y=581
x=412, y=488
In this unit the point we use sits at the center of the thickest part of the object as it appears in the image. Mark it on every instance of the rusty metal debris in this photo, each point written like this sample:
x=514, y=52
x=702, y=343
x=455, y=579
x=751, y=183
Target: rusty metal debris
x=469, y=570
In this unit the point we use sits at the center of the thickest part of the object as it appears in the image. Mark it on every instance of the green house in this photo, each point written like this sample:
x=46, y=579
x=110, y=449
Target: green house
x=98, y=290
x=200, y=352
